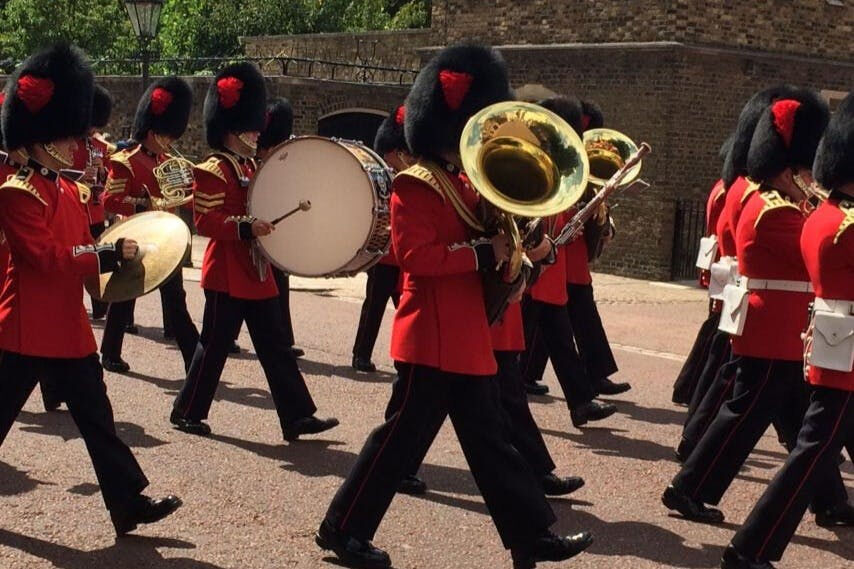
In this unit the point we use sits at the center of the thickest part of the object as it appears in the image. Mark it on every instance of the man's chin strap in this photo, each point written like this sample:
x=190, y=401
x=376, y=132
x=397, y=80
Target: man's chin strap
x=54, y=153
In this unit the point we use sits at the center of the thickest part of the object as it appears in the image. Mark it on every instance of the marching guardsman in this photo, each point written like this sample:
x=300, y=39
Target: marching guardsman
x=383, y=278
x=776, y=291
x=279, y=125
x=546, y=316
x=237, y=282
x=132, y=187
x=44, y=329
x=441, y=340
x=718, y=378
x=91, y=158
x=827, y=245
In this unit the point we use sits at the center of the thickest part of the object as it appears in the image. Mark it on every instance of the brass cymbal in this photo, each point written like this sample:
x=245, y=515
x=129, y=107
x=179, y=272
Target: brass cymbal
x=164, y=241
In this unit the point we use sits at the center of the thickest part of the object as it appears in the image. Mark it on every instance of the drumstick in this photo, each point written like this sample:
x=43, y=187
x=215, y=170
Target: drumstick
x=304, y=205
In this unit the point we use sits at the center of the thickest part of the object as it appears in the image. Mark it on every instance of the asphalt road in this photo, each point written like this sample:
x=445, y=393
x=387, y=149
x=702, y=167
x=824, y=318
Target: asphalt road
x=252, y=501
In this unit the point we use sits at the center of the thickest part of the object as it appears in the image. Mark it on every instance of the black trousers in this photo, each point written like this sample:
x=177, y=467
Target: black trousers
x=689, y=376
x=381, y=286
x=827, y=426
x=174, y=301
x=512, y=493
x=283, y=282
x=704, y=409
x=590, y=337
x=98, y=308
x=552, y=325
x=80, y=383
x=762, y=387
x=223, y=317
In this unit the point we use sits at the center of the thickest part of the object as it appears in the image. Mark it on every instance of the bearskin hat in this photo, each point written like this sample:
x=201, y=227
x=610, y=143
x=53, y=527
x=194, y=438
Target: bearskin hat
x=279, y=123
x=787, y=134
x=390, y=134
x=735, y=164
x=457, y=83
x=48, y=97
x=236, y=102
x=591, y=116
x=834, y=160
x=726, y=146
x=164, y=108
x=567, y=108
x=102, y=107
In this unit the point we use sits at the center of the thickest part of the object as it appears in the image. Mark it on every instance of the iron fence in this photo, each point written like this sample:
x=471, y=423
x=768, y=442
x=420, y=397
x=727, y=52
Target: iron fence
x=289, y=66
x=690, y=226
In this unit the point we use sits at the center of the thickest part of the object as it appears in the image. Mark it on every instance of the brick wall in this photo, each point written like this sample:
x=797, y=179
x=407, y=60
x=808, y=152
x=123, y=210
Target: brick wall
x=807, y=27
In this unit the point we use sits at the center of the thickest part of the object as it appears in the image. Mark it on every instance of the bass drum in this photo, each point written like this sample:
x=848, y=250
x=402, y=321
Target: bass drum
x=347, y=228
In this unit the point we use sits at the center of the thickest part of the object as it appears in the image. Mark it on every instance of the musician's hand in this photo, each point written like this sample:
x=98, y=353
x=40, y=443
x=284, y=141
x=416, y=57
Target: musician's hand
x=130, y=249
x=261, y=228
x=501, y=247
x=539, y=252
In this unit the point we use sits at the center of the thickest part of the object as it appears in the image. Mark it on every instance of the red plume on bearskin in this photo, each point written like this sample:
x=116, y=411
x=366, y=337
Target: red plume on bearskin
x=160, y=101
x=229, y=91
x=455, y=87
x=279, y=123
x=35, y=92
x=400, y=115
x=784, y=118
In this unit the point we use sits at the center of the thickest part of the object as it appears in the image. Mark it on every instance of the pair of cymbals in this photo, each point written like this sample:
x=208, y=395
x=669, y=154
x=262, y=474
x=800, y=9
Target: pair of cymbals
x=164, y=242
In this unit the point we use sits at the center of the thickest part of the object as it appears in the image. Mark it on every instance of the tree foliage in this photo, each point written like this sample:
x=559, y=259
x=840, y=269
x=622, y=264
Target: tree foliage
x=191, y=28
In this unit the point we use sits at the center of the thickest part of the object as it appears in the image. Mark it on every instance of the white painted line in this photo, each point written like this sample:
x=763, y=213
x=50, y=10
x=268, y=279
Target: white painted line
x=651, y=353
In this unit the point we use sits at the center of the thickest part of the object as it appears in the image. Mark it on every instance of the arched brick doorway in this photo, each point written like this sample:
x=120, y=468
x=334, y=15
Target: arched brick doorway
x=352, y=124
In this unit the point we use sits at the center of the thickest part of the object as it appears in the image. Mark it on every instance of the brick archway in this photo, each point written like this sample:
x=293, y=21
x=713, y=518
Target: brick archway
x=352, y=124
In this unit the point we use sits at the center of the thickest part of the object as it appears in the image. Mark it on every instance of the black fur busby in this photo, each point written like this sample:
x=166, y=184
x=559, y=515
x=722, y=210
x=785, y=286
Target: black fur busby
x=834, y=160
x=279, y=123
x=390, y=134
x=567, y=108
x=236, y=102
x=726, y=146
x=48, y=97
x=735, y=164
x=787, y=134
x=102, y=107
x=591, y=116
x=457, y=83
x=164, y=108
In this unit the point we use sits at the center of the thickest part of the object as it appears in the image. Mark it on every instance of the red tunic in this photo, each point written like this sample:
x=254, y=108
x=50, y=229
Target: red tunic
x=95, y=205
x=131, y=175
x=768, y=247
x=827, y=244
x=219, y=198
x=728, y=221
x=441, y=319
x=7, y=168
x=550, y=287
x=41, y=306
x=508, y=335
x=714, y=208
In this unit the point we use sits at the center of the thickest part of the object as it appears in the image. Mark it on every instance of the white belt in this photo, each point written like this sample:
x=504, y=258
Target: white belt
x=771, y=284
x=844, y=307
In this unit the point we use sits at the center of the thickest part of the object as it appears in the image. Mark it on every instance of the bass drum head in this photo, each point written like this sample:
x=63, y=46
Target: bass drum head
x=323, y=240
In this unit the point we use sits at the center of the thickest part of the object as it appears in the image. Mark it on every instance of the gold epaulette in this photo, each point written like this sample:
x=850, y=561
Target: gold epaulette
x=21, y=182
x=748, y=191
x=433, y=175
x=773, y=200
x=212, y=166
x=123, y=157
x=720, y=193
x=84, y=191
x=423, y=172
x=847, y=208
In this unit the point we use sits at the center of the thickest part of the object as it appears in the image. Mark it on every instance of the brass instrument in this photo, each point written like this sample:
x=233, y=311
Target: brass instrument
x=525, y=161
x=608, y=151
x=175, y=179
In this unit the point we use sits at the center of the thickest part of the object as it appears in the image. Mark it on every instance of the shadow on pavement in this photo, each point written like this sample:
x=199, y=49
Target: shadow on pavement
x=607, y=442
x=137, y=552
x=62, y=425
x=654, y=415
x=311, y=367
x=14, y=482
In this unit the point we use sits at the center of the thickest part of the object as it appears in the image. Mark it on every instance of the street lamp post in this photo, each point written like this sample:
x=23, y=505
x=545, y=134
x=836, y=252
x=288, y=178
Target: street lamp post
x=144, y=17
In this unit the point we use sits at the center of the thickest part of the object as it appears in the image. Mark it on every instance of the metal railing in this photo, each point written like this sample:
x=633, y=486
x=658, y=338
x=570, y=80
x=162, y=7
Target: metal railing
x=302, y=67
x=690, y=226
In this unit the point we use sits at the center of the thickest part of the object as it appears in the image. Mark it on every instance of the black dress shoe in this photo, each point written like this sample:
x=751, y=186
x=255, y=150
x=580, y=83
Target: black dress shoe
x=732, y=559
x=684, y=450
x=132, y=329
x=841, y=515
x=115, y=366
x=364, y=365
x=308, y=426
x=591, y=411
x=234, y=348
x=350, y=551
x=690, y=509
x=608, y=387
x=551, y=547
x=98, y=314
x=190, y=426
x=556, y=486
x=536, y=388
x=412, y=485
x=143, y=510
x=297, y=352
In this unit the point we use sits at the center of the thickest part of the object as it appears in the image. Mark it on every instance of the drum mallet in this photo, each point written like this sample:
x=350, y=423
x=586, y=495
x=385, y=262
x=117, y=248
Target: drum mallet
x=304, y=205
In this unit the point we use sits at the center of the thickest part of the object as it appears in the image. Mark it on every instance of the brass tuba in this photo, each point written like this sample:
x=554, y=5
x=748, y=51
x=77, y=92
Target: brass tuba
x=607, y=151
x=526, y=161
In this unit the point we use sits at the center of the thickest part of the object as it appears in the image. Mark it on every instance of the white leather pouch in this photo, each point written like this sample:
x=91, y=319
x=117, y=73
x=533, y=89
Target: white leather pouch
x=722, y=273
x=832, y=341
x=736, y=300
x=706, y=254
